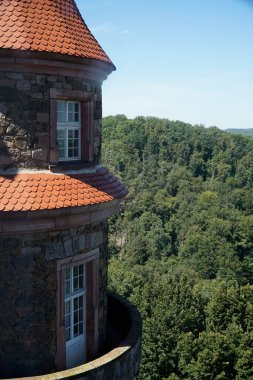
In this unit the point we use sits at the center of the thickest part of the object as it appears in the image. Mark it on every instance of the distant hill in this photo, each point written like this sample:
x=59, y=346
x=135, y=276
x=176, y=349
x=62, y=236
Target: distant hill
x=237, y=131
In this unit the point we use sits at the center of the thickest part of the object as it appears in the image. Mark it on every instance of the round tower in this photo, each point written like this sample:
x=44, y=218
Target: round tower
x=54, y=195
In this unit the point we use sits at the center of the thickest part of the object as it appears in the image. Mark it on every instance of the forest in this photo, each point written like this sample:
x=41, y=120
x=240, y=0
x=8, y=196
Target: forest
x=241, y=131
x=181, y=250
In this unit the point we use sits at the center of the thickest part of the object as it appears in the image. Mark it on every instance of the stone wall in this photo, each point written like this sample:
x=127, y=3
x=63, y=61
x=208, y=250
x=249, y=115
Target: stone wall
x=123, y=360
x=28, y=290
x=25, y=116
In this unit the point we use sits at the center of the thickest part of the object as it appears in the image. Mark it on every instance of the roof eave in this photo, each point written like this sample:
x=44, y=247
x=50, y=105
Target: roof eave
x=55, y=63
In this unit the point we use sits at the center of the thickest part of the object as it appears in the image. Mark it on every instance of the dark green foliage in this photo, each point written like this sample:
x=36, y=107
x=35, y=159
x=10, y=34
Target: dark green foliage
x=182, y=249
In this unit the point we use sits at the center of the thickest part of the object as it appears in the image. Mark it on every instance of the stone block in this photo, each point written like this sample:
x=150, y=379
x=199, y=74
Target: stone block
x=24, y=85
x=26, y=156
x=21, y=311
x=39, y=154
x=75, y=244
x=40, y=106
x=61, y=79
x=40, y=79
x=37, y=95
x=3, y=110
x=52, y=78
x=25, y=301
x=29, y=76
x=55, y=250
x=39, y=127
x=54, y=157
x=14, y=75
x=3, y=147
x=20, y=144
x=73, y=232
x=43, y=117
x=82, y=241
x=67, y=86
x=8, y=83
x=12, y=129
x=68, y=247
x=94, y=240
x=25, y=115
x=8, y=93
x=58, y=85
x=43, y=141
x=30, y=251
x=5, y=161
x=77, y=85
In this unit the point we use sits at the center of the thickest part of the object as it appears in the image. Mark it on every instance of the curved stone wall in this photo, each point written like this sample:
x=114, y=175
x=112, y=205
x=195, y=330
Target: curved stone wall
x=26, y=116
x=28, y=294
x=121, y=362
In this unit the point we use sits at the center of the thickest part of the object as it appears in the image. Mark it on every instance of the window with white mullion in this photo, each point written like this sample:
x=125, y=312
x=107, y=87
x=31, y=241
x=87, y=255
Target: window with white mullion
x=78, y=314
x=75, y=299
x=68, y=321
x=69, y=130
x=73, y=112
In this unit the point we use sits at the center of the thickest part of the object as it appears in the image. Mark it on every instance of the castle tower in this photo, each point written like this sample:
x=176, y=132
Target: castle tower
x=55, y=199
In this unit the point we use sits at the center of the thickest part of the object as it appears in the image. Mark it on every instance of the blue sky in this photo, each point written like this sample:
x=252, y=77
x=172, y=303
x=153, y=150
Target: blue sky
x=189, y=60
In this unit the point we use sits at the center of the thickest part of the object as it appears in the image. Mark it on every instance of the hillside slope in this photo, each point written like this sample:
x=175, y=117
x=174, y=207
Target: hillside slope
x=182, y=249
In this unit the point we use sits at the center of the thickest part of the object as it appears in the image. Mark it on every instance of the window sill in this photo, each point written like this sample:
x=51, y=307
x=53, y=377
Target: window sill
x=71, y=165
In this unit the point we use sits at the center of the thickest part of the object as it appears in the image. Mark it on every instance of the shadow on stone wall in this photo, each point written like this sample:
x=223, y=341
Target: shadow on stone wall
x=14, y=136
x=6, y=159
x=123, y=359
x=118, y=321
x=24, y=120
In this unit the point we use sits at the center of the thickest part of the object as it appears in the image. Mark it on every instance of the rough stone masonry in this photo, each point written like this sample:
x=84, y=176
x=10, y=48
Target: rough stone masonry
x=25, y=117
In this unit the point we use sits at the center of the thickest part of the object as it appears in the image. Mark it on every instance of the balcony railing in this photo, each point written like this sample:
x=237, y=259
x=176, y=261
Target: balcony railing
x=122, y=359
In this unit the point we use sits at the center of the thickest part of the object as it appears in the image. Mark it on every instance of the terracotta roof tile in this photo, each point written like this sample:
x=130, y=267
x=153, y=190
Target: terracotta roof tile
x=25, y=192
x=54, y=26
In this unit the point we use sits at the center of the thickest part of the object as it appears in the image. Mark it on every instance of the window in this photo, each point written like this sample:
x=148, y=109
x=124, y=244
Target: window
x=75, y=310
x=72, y=127
x=69, y=130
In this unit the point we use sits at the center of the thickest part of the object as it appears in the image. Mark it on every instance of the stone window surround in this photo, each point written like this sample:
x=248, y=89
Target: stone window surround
x=87, y=123
x=91, y=260
x=66, y=126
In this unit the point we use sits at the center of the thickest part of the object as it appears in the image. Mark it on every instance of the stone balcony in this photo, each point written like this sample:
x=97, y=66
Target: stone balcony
x=122, y=358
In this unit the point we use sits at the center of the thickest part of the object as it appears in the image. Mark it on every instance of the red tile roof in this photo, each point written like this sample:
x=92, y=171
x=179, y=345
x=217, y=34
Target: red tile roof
x=30, y=192
x=54, y=26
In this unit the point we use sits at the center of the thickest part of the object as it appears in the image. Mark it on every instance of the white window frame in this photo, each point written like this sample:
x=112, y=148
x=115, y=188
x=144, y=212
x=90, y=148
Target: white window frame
x=92, y=296
x=75, y=342
x=72, y=294
x=68, y=126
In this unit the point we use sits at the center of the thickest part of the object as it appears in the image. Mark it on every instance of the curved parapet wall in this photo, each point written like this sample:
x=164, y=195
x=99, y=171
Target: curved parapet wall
x=122, y=361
